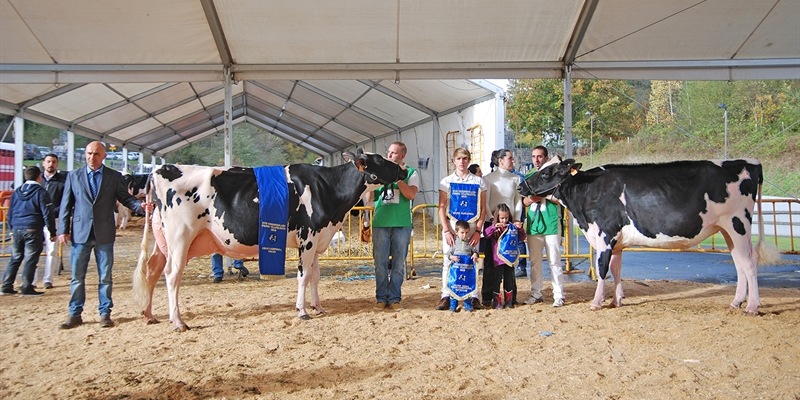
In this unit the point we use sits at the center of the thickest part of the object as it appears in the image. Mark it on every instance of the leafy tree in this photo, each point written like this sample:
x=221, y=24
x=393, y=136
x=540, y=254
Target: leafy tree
x=536, y=108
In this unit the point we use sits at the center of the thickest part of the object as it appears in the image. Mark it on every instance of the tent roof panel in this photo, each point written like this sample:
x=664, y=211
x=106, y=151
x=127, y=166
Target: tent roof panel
x=167, y=98
x=79, y=102
x=469, y=31
x=92, y=32
x=659, y=30
x=112, y=119
x=83, y=62
x=132, y=89
x=309, y=31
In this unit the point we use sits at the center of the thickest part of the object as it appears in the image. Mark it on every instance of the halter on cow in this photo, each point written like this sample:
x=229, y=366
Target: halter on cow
x=673, y=205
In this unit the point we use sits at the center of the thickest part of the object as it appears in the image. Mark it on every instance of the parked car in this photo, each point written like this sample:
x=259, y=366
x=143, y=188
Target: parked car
x=133, y=156
x=44, y=151
x=31, y=151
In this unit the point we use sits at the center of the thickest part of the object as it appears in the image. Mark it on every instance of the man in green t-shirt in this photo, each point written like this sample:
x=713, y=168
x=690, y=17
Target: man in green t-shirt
x=543, y=226
x=391, y=231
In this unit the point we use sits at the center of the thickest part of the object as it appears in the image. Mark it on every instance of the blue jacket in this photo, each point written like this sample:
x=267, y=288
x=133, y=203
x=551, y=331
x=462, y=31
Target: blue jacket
x=31, y=208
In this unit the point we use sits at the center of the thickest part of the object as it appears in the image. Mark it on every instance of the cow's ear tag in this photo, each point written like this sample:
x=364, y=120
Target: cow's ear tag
x=573, y=171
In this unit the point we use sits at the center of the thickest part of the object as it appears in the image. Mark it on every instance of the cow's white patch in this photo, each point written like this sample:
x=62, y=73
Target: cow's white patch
x=305, y=200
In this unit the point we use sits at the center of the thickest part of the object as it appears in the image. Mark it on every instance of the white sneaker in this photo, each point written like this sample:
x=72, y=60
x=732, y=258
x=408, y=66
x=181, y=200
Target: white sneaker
x=558, y=303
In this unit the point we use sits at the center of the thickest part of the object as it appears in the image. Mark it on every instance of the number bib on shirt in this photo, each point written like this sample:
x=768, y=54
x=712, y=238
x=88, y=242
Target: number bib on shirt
x=462, y=278
x=464, y=202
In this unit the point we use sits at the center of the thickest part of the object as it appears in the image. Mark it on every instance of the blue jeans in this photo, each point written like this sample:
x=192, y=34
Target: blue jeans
x=79, y=259
x=386, y=242
x=218, y=269
x=26, y=246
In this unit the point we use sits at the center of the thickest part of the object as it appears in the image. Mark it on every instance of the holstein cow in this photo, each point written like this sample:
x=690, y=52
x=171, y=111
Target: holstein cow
x=672, y=205
x=204, y=210
x=136, y=187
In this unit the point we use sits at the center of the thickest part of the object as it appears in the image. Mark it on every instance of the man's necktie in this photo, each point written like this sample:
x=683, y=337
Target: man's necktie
x=93, y=183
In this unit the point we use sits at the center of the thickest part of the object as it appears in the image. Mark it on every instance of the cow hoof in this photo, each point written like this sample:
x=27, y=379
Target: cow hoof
x=150, y=321
x=752, y=313
x=594, y=307
x=318, y=311
x=305, y=317
x=182, y=328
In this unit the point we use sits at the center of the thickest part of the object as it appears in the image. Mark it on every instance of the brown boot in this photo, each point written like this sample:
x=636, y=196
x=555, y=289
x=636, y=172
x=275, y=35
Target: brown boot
x=72, y=321
x=105, y=321
x=509, y=300
x=444, y=303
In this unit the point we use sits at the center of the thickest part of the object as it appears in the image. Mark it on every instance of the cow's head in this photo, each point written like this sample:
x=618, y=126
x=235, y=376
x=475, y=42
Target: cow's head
x=548, y=178
x=377, y=169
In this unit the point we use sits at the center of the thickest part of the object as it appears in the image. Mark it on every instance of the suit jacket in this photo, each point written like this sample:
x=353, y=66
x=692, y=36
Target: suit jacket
x=80, y=213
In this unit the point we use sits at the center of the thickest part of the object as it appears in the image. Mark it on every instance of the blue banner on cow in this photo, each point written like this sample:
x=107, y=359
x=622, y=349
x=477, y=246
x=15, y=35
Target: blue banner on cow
x=273, y=196
x=464, y=201
x=462, y=278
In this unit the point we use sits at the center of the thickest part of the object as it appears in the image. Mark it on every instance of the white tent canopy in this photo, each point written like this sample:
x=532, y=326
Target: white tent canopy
x=148, y=75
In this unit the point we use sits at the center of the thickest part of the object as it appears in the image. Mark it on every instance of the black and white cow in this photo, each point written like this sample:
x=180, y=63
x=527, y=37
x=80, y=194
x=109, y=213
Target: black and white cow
x=136, y=186
x=672, y=205
x=204, y=210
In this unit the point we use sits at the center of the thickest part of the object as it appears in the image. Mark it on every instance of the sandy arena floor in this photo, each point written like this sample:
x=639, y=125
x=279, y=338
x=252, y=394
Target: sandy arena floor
x=670, y=340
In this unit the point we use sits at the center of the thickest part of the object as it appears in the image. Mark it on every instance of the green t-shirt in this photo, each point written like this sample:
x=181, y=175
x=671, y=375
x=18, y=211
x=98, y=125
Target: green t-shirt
x=542, y=220
x=394, y=213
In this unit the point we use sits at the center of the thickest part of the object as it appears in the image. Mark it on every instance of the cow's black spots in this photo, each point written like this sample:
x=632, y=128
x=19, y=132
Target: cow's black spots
x=738, y=226
x=178, y=200
x=169, y=172
x=747, y=187
x=227, y=241
x=605, y=258
x=192, y=195
x=205, y=212
x=235, y=188
x=170, y=195
x=309, y=245
x=748, y=216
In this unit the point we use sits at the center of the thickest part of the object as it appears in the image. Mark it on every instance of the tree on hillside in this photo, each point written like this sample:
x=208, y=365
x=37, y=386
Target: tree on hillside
x=535, y=110
x=252, y=147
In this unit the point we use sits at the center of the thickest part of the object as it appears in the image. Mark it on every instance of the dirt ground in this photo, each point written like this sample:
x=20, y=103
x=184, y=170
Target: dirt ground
x=670, y=340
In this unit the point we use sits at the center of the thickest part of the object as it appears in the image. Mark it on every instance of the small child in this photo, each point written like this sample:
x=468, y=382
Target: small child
x=462, y=248
x=502, y=270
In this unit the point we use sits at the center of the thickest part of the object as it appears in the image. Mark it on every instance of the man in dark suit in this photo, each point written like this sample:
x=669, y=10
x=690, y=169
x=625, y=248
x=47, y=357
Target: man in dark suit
x=87, y=215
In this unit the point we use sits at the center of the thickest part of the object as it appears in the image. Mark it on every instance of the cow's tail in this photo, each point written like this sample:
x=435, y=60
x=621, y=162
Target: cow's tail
x=140, y=294
x=767, y=253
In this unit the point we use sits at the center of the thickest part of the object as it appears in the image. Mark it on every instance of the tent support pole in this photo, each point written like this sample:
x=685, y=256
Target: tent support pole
x=228, y=121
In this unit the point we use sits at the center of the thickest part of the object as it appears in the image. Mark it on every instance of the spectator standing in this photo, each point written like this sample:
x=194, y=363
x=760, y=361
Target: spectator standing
x=471, y=206
x=475, y=169
x=391, y=231
x=53, y=181
x=219, y=270
x=544, y=229
x=501, y=187
x=30, y=211
x=86, y=219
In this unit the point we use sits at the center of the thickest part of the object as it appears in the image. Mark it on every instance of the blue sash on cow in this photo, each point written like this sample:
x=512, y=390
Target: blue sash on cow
x=464, y=202
x=462, y=278
x=273, y=196
x=507, y=246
